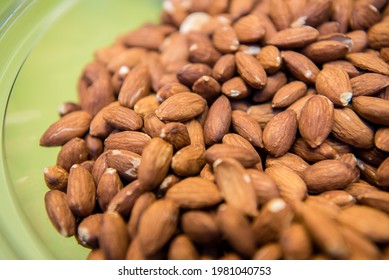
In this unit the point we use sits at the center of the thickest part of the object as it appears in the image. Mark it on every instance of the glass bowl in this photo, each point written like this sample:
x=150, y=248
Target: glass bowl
x=44, y=46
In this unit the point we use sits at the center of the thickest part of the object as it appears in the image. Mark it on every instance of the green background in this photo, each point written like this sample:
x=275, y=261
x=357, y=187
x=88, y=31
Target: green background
x=44, y=46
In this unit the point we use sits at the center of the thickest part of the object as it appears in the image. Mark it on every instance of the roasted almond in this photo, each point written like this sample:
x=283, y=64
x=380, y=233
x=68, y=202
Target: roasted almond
x=74, y=124
x=280, y=133
x=316, y=120
x=181, y=107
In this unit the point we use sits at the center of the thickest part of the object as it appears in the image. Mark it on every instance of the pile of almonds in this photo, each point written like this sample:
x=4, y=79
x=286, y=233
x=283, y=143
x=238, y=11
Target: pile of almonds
x=241, y=129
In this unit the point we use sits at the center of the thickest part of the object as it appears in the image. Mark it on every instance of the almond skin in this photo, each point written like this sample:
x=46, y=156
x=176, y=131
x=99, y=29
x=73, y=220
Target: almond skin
x=194, y=193
x=316, y=120
x=250, y=70
x=327, y=175
x=334, y=83
x=181, y=107
x=157, y=225
x=280, y=132
x=72, y=125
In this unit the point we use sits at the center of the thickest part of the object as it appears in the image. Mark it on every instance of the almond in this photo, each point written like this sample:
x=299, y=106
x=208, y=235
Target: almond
x=81, y=191
x=235, y=185
x=316, y=120
x=182, y=248
x=294, y=37
x=368, y=84
x=123, y=118
x=200, y=226
x=224, y=68
x=250, y=70
x=156, y=159
x=373, y=109
x=59, y=212
x=225, y=39
x=157, y=225
x=288, y=94
x=280, y=132
x=249, y=29
x=325, y=51
x=219, y=151
x=74, y=124
x=125, y=162
x=191, y=72
x=291, y=186
x=188, y=161
x=248, y=127
x=334, y=83
x=300, y=66
x=133, y=141
x=218, y=120
x=140, y=205
x=56, y=178
x=381, y=139
x=369, y=62
x=270, y=59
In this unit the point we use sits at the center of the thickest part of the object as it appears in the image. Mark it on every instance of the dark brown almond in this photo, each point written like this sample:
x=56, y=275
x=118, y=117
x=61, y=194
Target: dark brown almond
x=280, y=133
x=191, y=72
x=176, y=134
x=109, y=185
x=181, y=107
x=124, y=199
x=56, y=178
x=81, y=191
x=74, y=124
x=59, y=212
x=88, y=230
x=207, y=87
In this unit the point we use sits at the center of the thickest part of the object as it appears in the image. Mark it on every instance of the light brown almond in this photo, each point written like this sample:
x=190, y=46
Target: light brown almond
x=294, y=38
x=191, y=72
x=225, y=39
x=182, y=248
x=123, y=118
x=188, y=161
x=288, y=94
x=200, y=226
x=124, y=199
x=291, y=186
x=181, y=107
x=373, y=109
x=125, y=162
x=273, y=84
x=56, y=178
x=218, y=120
x=369, y=62
x=324, y=151
x=378, y=36
x=382, y=173
x=88, y=231
x=109, y=185
x=219, y=151
x=334, y=83
x=327, y=175
x=370, y=222
x=368, y=84
x=381, y=139
x=236, y=88
x=207, y=87
x=316, y=120
x=249, y=29
x=241, y=238
x=296, y=242
x=156, y=159
x=250, y=70
x=293, y=161
x=136, y=85
x=325, y=51
x=345, y=66
x=157, y=225
x=113, y=239
x=224, y=69
x=235, y=185
x=280, y=133
x=248, y=127
x=140, y=205
x=270, y=59
x=133, y=141
x=300, y=66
